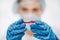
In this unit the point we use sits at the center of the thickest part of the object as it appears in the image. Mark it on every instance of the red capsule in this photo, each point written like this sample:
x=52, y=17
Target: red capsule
x=29, y=22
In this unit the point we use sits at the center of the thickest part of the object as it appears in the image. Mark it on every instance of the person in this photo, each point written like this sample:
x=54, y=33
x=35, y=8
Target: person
x=30, y=27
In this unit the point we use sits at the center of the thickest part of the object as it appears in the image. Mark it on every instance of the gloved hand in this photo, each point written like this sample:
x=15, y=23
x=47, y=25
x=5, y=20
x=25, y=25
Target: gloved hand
x=16, y=31
x=42, y=31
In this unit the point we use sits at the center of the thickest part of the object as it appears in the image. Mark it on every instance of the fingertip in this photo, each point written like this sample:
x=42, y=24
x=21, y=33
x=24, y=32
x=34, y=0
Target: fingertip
x=32, y=25
x=20, y=21
x=23, y=25
x=38, y=22
x=24, y=29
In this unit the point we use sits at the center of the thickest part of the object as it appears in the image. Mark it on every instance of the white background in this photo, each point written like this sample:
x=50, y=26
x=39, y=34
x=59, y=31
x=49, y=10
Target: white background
x=50, y=16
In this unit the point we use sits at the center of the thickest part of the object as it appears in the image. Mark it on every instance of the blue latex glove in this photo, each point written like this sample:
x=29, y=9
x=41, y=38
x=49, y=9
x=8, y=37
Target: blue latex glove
x=16, y=31
x=42, y=31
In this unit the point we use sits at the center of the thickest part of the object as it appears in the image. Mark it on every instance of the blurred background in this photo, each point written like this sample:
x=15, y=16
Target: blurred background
x=51, y=16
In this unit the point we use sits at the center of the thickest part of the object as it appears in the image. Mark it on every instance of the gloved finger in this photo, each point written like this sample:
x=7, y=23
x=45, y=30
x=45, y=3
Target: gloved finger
x=35, y=26
x=14, y=32
x=37, y=36
x=38, y=22
x=41, y=24
x=46, y=25
x=21, y=26
x=19, y=22
x=39, y=32
x=46, y=37
x=16, y=27
x=18, y=37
